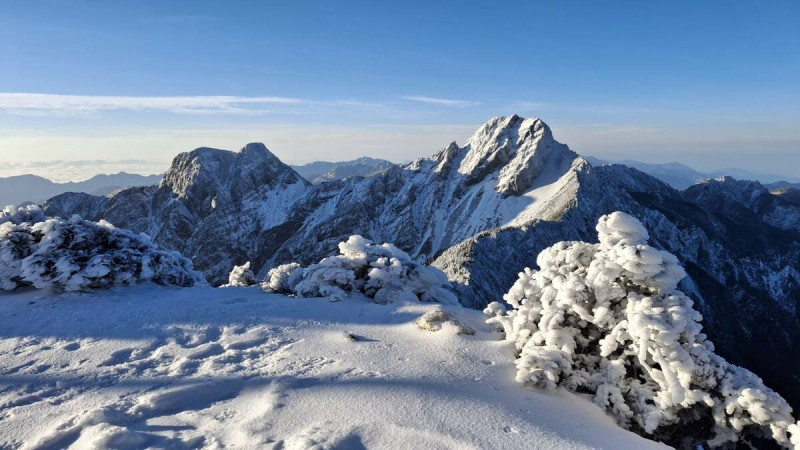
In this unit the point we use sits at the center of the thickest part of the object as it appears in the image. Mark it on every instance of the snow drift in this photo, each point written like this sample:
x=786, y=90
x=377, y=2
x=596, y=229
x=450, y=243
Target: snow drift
x=383, y=273
x=608, y=319
x=76, y=254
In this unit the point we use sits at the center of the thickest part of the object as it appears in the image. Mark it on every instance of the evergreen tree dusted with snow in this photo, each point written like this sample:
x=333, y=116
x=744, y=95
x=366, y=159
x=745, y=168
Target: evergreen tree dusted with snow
x=608, y=319
x=77, y=254
x=381, y=272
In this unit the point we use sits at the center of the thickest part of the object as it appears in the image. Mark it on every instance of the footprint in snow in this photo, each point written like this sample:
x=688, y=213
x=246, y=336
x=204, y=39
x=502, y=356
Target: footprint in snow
x=71, y=347
x=118, y=357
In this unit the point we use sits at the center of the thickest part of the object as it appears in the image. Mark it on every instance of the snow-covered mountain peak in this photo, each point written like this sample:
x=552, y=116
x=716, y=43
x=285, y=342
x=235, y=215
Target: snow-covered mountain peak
x=257, y=151
x=257, y=163
x=746, y=201
x=515, y=148
x=210, y=171
x=743, y=191
x=201, y=166
x=444, y=160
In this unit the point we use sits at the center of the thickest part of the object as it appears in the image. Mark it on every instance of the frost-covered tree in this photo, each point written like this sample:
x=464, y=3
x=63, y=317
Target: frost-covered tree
x=77, y=254
x=608, y=319
x=381, y=272
x=29, y=214
x=283, y=278
x=241, y=276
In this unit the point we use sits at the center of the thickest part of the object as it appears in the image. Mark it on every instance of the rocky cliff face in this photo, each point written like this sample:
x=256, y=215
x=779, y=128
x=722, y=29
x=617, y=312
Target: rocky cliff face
x=482, y=212
x=212, y=205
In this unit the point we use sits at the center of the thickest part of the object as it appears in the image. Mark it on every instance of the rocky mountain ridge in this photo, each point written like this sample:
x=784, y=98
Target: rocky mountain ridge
x=482, y=212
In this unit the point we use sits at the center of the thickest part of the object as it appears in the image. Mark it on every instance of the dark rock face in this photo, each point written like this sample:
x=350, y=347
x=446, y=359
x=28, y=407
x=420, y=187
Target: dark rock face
x=210, y=205
x=483, y=212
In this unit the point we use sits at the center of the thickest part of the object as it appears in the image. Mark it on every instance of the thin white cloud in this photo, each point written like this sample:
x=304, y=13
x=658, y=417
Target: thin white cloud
x=526, y=106
x=441, y=101
x=27, y=103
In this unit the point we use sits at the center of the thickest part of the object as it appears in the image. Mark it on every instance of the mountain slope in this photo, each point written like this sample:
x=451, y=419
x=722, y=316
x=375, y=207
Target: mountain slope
x=482, y=212
x=31, y=188
x=782, y=185
x=236, y=368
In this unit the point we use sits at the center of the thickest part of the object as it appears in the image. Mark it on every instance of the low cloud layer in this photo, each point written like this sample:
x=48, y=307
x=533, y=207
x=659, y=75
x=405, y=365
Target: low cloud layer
x=79, y=170
x=441, y=101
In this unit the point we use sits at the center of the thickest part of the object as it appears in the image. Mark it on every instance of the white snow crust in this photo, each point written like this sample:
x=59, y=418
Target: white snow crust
x=151, y=366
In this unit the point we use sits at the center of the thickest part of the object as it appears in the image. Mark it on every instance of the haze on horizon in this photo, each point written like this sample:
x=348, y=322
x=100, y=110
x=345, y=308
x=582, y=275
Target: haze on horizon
x=102, y=87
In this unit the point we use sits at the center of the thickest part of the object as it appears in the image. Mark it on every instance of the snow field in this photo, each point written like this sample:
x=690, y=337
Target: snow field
x=150, y=366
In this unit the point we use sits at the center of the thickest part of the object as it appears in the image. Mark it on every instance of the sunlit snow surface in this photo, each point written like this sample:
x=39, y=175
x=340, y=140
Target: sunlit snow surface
x=237, y=368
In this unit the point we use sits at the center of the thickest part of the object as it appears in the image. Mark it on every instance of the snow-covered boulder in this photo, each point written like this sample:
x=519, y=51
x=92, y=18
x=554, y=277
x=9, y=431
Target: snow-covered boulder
x=436, y=319
x=381, y=272
x=608, y=319
x=77, y=255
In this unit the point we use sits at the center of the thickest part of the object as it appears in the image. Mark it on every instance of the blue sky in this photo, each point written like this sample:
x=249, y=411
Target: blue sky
x=710, y=84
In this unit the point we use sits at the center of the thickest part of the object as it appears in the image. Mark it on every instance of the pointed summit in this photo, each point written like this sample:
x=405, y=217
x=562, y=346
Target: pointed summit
x=256, y=150
x=514, y=147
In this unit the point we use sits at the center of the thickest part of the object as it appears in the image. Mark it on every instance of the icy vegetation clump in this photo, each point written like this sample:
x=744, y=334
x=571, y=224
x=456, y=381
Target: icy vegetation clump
x=608, y=319
x=381, y=272
x=283, y=278
x=30, y=214
x=78, y=255
x=241, y=276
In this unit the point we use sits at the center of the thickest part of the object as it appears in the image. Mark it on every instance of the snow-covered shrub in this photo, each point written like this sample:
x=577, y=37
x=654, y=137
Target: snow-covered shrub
x=381, y=272
x=283, y=278
x=29, y=214
x=17, y=242
x=608, y=319
x=241, y=276
x=77, y=254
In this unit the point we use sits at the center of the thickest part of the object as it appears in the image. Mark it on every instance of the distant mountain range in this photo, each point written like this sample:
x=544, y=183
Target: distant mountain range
x=681, y=176
x=782, y=185
x=482, y=212
x=31, y=188
x=35, y=189
x=321, y=171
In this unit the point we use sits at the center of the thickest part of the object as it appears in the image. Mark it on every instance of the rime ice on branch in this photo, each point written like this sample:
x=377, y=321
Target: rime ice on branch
x=608, y=319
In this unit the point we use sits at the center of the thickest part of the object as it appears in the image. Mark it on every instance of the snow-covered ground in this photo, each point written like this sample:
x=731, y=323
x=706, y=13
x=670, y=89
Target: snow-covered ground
x=236, y=368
